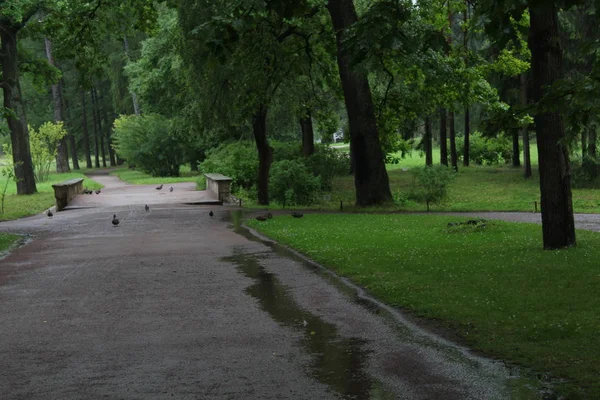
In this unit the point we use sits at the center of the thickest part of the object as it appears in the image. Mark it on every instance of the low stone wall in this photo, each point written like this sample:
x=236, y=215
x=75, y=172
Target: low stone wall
x=220, y=185
x=65, y=191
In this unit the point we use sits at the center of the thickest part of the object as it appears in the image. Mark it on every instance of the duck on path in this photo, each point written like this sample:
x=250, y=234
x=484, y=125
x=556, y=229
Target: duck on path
x=115, y=221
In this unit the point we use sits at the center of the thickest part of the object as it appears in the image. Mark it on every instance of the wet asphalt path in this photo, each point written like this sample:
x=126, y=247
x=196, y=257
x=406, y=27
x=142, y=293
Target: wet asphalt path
x=174, y=304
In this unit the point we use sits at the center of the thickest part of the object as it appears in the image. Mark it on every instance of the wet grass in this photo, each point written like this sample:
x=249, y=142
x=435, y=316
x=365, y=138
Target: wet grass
x=22, y=206
x=494, y=286
x=6, y=241
x=137, y=177
x=476, y=188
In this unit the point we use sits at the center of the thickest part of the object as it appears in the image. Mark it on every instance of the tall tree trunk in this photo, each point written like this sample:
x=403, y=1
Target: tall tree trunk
x=555, y=174
x=516, y=150
x=62, y=153
x=136, y=104
x=453, y=154
x=265, y=153
x=108, y=131
x=525, y=129
x=96, y=128
x=370, y=176
x=467, y=149
x=584, y=145
x=71, y=137
x=443, y=137
x=86, y=132
x=592, y=136
x=467, y=141
x=428, y=142
x=308, y=136
x=101, y=132
x=16, y=119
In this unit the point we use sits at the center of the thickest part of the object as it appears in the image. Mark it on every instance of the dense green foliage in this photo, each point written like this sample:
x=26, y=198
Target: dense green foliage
x=486, y=151
x=44, y=142
x=236, y=160
x=431, y=183
x=150, y=142
x=505, y=295
x=293, y=184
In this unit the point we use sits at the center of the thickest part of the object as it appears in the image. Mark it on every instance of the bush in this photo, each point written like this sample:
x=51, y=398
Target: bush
x=486, y=151
x=327, y=162
x=286, y=150
x=237, y=160
x=150, y=142
x=585, y=172
x=44, y=144
x=292, y=183
x=431, y=183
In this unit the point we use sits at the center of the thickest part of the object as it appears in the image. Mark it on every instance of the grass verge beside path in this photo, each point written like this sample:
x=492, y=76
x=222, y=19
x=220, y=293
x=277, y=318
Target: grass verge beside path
x=136, y=177
x=495, y=286
x=7, y=240
x=22, y=206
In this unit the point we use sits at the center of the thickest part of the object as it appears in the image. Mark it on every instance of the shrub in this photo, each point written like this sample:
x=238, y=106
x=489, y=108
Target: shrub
x=150, y=142
x=486, y=150
x=431, y=183
x=43, y=144
x=237, y=160
x=327, y=162
x=585, y=172
x=292, y=183
x=286, y=150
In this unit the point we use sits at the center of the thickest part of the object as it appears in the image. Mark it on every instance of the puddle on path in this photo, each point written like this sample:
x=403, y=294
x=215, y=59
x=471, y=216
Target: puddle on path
x=340, y=361
x=336, y=361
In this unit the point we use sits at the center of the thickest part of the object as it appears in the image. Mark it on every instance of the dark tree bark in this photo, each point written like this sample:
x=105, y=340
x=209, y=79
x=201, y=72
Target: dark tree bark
x=73, y=152
x=525, y=129
x=17, y=119
x=516, y=150
x=308, y=136
x=62, y=153
x=592, y=136
x=467, y=144
x=101, y=132
x=86, y=132
x=370, y=176
x=108, y=131
x=555, y=174
x=467, y=149
x=453, y=154
x=584, y=145
x=265, y=153
x=428, y=139
x=96, y=128
x=136, y=104
x=443, y=137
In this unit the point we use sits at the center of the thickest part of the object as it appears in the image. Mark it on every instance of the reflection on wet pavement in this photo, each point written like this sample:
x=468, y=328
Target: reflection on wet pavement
x=336, y=361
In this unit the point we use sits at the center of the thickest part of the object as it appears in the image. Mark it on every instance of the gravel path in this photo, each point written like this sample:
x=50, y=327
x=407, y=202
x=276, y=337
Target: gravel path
x=175, y=304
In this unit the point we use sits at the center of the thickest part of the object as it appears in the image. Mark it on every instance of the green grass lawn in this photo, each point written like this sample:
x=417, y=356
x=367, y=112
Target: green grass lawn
x=495, y=287
x=137, y=177
x=23, y=206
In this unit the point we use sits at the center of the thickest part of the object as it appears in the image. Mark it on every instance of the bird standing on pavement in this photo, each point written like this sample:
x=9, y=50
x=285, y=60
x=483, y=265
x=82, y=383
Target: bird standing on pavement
x=98, y=191
x=211, y=214
x=170, y=190
x=115, y=221
x=159, y=187
x=49, y=213
x=146, y=207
